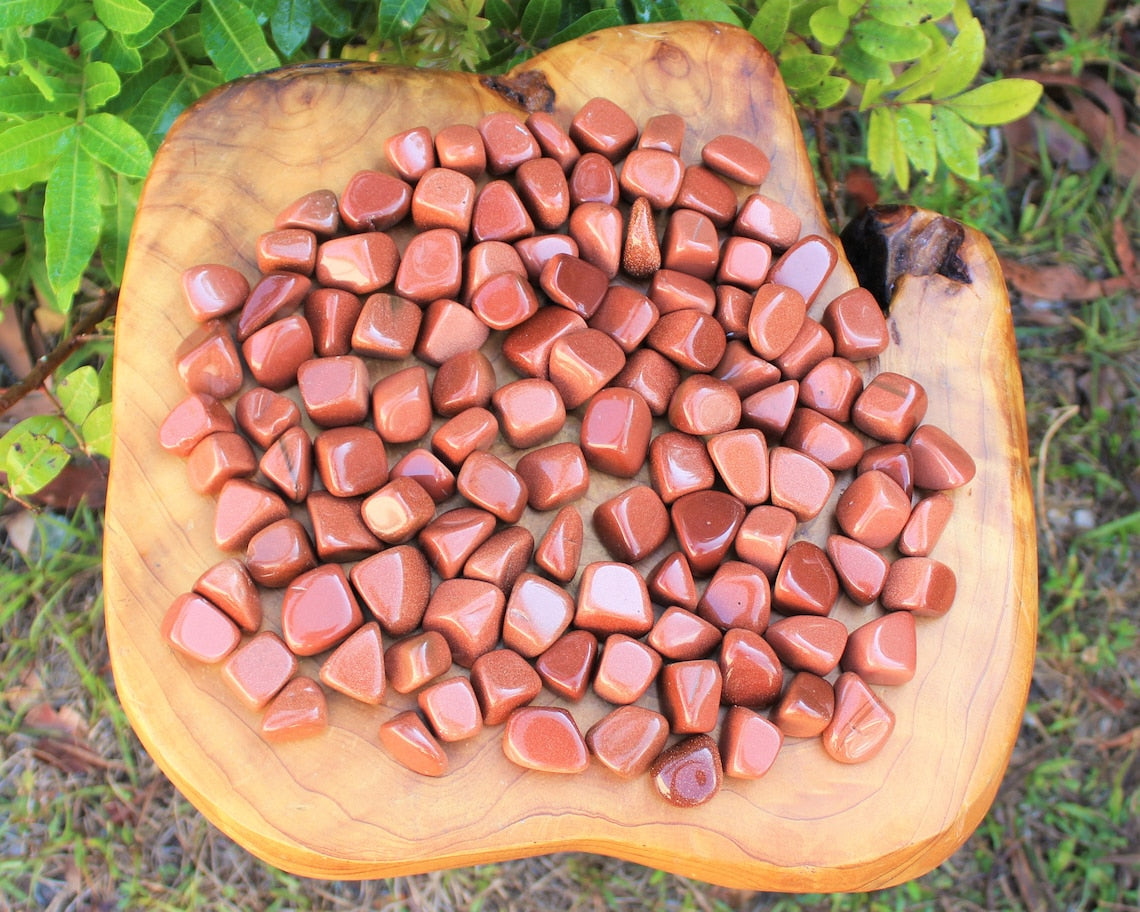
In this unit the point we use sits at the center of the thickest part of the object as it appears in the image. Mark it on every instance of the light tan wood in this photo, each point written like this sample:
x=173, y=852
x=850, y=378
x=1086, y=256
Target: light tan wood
x=336, y=806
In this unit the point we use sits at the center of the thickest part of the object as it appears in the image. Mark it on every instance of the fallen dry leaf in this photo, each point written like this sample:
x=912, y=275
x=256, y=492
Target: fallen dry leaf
x=1125, y=255
x=1058, y=283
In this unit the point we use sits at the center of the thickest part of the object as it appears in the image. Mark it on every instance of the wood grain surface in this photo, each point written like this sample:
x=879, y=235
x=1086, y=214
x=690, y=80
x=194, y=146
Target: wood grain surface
x=336, y=806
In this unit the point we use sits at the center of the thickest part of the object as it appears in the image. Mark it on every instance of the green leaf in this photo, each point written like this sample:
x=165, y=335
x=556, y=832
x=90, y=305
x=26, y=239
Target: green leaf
x=892, y=43
x=166, y=14
x=917, y=137
x=708, y=11
x=909, y=13
x=826, y=94
x=593, y=21
x=331, y=17
x=1085, y=15
x=900, y=163
x=881, y=140
x=398, y=17
x=829, y=26
x=291, y=23
x=121, y=56
x=655, y=11
x=770, y=24
x=117, y=221
x=123, y=16
x=160, y=106
x=997, y=102
x=97, y=430
x=805, y=70
x=539, y=19
x=862, y=67
x=501, y=15
x=28, y=150
x=22, y=97
x=850, y=7
x=113, y=142
x=234, y=40
x=78, y=393
x=963, y=61
x=100, y=84
x=32, y=461
x=957, y=142
x=90, y=34
x=71, y=214
x=21, y=13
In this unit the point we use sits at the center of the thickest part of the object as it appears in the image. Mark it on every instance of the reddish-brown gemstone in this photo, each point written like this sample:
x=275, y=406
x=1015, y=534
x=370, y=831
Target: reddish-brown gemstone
x=671, y=289
x=410, y=743
x=560, y=547
x=811, y=345
x=663, y=131
x=459, y=437
x=741, y=459
x=671, y=582
x=208, y=361
x=738, y=596
x=287, y=249
x=873, y=509
x=805, y=642
x=641, y=252
x=708, y=193
x=690, y=244
x=448, y=328
x=744, y=371
x=228, y=585
x=339, y=532
x=373, y=201
x=545, y=738
x=615, y=432
x=566, y=667
x=401, y=405
x=770, y=409
x=806, y=707
x=857, y=325
x=527, y=347
x=553, y=139
x=919, y=584
x=213, y=290
x=387, y=327
x=318, y=610
x=626, y=316
x=360, y=263
x=927, y=521
x=690, y=339
x=633, y=524
x=538, y=250
x=258, y=669
x=894, y=460
x=777, y=314
x=733, y=307
x=652, y=375
x=431, y=267
x=192, y=420
x=508, y=142
x=612, y=598
x=279, y=553
x=334, y=390
x=806, y=582
x=679, y=464
x=410, y=153
x=574, y=283
x=831, y=388
x=356, y=667
x=883, y=651
x=463, y=381
x=274, y=295
x=861, y=570
x=736, y=158
x=298, y=711
x=626, y=669
x=598, y=230
x=705, y=523
x=554, y=475
x=582, y=362
x=654, y=174
x=680, y=635
x=275, y=352
x=460, y=147
x=501, y=558
x=603, y=127
x=452, y=537
x=798, y=482
x=530, y=411
x=767, y=220
x=689, y=773
x=751, y=672
x=861, y=724
x=425, y=468
x=197, y=628
x=351, y=461
x=702, y=405
x=398, y=510
x=594, y=180
x=537, y=614
x=542, y=186
x=504, y=301
x=244, y=508
x=744, y=262
x=940, y=462
x=503, y=681
x=890, y=407
x=627, y=740
x=763, y=537
x=469, y=614
x=805, y=266
x=828, y=441
x=217, y=459
x=690, y=695
x=414, y=660
x=265, y=415
x=486, y=260
x=491, y=484
x=500, y=215
x=749, y=743
x=316, y=211
x=452, y=709
x=395, y=585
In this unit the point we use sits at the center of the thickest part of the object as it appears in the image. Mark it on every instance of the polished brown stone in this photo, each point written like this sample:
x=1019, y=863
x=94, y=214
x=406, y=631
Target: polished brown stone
x=582, y=362
x=279, y=553
x=446, y=329
x=671, y=582
x=208, y=362
x=763, y=537
x=767, y=220
x=568, y=664
x=553, y=139
x=444, y=198
x=423, y=467
x=831, y=388
x=213, y=290
x=604, y=127
x=264, y=415
x=890, y=407
x=628, y=739
x=315, y=211
x=463, y=381
x=469, y=614
x=488, y=482
x=741, y=460
x=744, y=371
x=738, y=596
x=452, y=537
x=805, y=642
x=408, y=741
x=332, y=313
x=274, y=295
x=243, y=508
x=733, y=307
x=594, y=180
x=691, y=339
x=538, y=250
x=542, y=185
x=560, y=548
x=706, y=523
x=334, y=390
x=708, y=193
x=538, y=612
x=615, y=432
x=288, y=250
x=451, y=709
x=641, y=252
x=413, y=661
x=319, y=610
x=884, y=650
x=545, y=738
x=751, y=672
x=598, y=229
x=736, y=158
x=680, y=635
x=927, y=522
x=397, y=511
x=339, y=533
x=192, y=420
x=504, y=301
x=690, y=244
x=806, y=707
x=744, y=263
x=470, y=431
x=689, y=773
x=940, y=462
x=258, y=669
x=873, y=509
x=805, y=266
x=703, y=405
x=395, y=585
x=501, y=558
x=806, y=582
x=460, y=146
x=356, y=667
x=431, y=266
x=770, y=410
x=274, y=353
x=831, y=443
x=663, y=131
x=633, y=524
x=387, y=327
x=919, y=584
x=360, y=263
x=217, y=459
x=798, y=482
x=503, y=681
x=401, y=405
x=573, y=282
x=228, y=585
x=893, y=459
x=554, y=475
x=749, y=743
x=857, y=325
x=652, y=375
x=811, y=345
x=674, y=289
x=374, y=201
x=690, y=694
x=861, y=724
x=351, y=461
x=507, y=140
x=500, y=215
x=861, y=570
x=299, y=711
x=488, y=259
x=530, y=411
x=199, y=629
x=527, y=347
x=612, y=598
x=654, y=174
x=410, y=152
x=626, y=316
x=626, y=670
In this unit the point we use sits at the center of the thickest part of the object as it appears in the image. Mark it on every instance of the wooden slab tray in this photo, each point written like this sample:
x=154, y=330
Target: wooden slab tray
x=336, y=806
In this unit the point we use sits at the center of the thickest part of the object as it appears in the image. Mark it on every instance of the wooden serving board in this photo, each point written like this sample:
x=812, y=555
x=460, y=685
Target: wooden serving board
x=336, y=806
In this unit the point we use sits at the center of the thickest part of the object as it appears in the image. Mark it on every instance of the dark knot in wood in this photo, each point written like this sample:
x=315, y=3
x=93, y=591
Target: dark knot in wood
x=529, y=90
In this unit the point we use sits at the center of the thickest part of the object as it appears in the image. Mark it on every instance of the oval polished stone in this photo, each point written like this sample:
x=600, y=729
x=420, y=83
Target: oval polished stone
x=831, y=388
x=744, y=262
x=554, y=475
x=460, y=147
x=806, y=582
x=704, y=405
x=919, y=584
x=894, y=460
x=401, y=406
x=208, y=362
x=582, y=362
x=351, y=461
x=315, y=211
x=485, y=261
x=193, y=420
x=861, y=570
x=679, y=464
x=689, y=773
x=508, y=141
x=469, y=614
x=387, y=327
x=671, y=582
x=811, y=345
x=298, y=711
x=530, y=411
x=318, y=610
x=652, y=375
x=501, y=558
x=397, y=511
x=258, y=669
x=690, y=244
x=663, y=131
x=763, y=537
x=749, y=743
x=767, y=220
x=672, y=289
x=828, y=441
x=751, y=672
x=213, y=290
x=741, y=460
x=356, y=667
x=890, y=407
x=279, y=553
x=414, y=660
x=374, y=201
x=452, y=537
x=500, y=215
x=708, y=193
x=537, y=614
x=615, y=432
x=243, y=508
x=446, y=329
x=553, y=139
x=410, y=152
x=798, y=482
x=603, y=127
x=627, y=740
x=527, y=347
x=469, y=431
x=641, y=251
x=733, y=307
x=927, y=522
x=545, y=738
x=560, y=548
x=861, y=724
x=566, y=667
x=940, y=462
x=503, y=681
x=654, y=174
x=504, y=301
x=744, y=371
x=264, y=415
x=633, y=524
x=598, y=230
x=737, y=596
x=805, y=266
x=339, y=533
x=217, y=459
x=805, y=642
x=594, y=180
x=544, y=191
x=690, y=339
x=274, y=295
x=360, y=263
x=690, y=695
x=873, y=509
x=228, y=585
x=451, y=709
x=705, y=523
x=574, y=283
x=612, y=598
x=463, y=381
x=680, y=635
x=287, y=249
x=626, y=316
x=884, y=650
x=770, y=410
x=806, y=707
x=491, y=484
x=536, y=251
x=199, y=629
x=408, y=741
x=395, y=585
x=857, y=325
x=431, y=266
x=626, y=669
x=274, y=353
x=334, y=391
x=736, y=158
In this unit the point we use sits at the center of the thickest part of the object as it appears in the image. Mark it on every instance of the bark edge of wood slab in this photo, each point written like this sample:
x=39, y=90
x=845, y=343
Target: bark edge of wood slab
x=337, y=806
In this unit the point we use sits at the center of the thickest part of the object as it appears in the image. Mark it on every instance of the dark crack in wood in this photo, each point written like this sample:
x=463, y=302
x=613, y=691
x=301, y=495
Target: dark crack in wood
x=529, y=90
